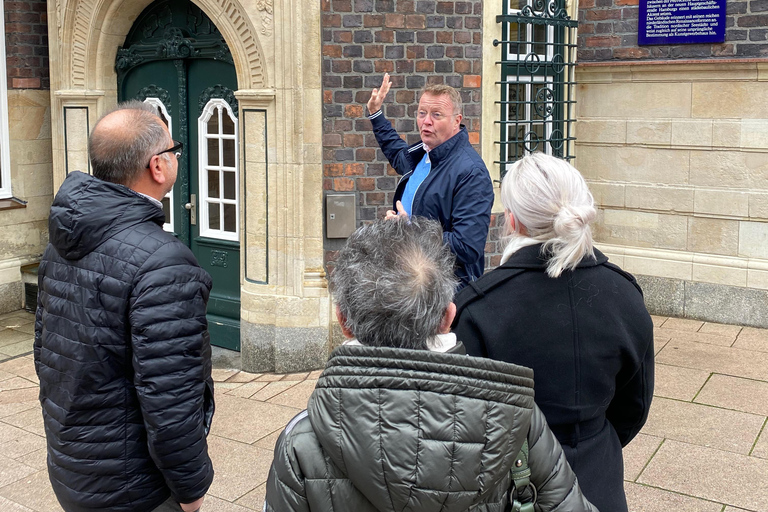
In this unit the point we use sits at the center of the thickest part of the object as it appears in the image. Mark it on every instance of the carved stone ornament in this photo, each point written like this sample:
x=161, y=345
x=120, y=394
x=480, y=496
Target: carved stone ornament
x=219, y=91
x=265, y=7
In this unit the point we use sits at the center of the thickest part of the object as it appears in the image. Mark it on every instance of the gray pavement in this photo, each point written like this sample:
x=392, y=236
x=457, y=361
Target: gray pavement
x=704, y=448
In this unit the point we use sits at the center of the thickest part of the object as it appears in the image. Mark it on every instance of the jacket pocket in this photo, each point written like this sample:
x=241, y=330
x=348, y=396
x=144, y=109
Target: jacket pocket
x=208, y=406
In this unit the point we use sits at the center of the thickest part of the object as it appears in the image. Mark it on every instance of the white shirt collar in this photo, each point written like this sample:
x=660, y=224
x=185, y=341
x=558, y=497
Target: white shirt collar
x=439, y=343
x=152, y=200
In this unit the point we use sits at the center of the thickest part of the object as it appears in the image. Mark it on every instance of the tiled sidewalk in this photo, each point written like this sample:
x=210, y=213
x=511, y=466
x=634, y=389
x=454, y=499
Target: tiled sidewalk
x=704, y=448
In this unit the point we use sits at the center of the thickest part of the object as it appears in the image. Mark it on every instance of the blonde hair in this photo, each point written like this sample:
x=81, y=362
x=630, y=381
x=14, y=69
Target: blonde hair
x=550, y=198
x=447, y=90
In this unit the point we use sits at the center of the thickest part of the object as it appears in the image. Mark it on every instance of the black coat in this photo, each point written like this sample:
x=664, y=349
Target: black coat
x=417, y=431
x=589, y=339
x=122, y=353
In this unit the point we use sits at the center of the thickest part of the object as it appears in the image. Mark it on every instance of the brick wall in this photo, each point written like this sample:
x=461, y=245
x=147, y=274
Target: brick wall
x=608, y=31
x=26, y=44
x=417, y=42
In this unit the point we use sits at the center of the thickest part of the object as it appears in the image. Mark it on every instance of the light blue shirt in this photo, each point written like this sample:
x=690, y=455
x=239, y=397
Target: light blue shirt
x=419, y=174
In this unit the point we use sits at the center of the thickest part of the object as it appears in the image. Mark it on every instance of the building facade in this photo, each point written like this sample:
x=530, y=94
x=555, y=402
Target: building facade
x=268, y=97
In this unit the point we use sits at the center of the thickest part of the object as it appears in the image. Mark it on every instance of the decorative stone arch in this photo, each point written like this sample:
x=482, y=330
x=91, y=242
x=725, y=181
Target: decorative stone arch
x=92, y=28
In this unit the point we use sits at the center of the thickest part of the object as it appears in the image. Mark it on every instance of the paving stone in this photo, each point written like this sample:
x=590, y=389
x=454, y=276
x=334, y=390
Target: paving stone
x=37, y=459
x=22, y=347
x=761, y=446
x=16, y=383
x=12, y=336
x=697, y=337
x=751, y=338
x=638, y=453
x=679, y=383
x=703, y=425
x=16, y=319
x=734, y=509
x=243, y=377
x=7, y=505
x=272, y=389
x=41, y=500
x=13, y=408
x=247, y=390
x=642, y=498
x=12, y=471
x=23, y=445
x=297, y=396
x=30, y=420
x=296, y=376
x=735, y=393
x=721, y=329
x=260, y=418
x=255, y=498
x=214, y=504
x=710, y=474
x=658, y=320
x=724, y=360
x=315, y=374
x=28, y=328
x=683, y=324
x=239, y=467
x=21, y=367
x=659, y=344
x=220, y=375
x=225, y=387
x=269, y=442
x=269, y=377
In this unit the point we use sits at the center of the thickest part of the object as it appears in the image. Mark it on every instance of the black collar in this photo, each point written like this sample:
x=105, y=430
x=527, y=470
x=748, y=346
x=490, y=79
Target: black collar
x=530, y=257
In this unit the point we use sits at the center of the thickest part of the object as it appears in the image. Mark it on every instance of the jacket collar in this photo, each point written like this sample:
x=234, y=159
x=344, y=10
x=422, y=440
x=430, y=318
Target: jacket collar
x=530, y=257
x=440, y=152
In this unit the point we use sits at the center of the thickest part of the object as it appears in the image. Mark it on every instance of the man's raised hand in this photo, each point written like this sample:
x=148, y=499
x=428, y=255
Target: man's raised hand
x=378, y=95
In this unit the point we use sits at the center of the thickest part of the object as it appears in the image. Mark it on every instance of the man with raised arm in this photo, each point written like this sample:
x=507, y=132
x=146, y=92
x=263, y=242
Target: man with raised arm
x=443, y=176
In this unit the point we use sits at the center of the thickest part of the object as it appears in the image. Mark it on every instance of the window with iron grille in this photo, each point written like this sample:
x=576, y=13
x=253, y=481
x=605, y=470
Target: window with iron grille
x=538, y=50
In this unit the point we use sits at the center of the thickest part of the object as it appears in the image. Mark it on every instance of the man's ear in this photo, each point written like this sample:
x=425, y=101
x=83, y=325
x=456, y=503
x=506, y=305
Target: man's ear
x=448, y=316
x=155, y=169
x=343, y=323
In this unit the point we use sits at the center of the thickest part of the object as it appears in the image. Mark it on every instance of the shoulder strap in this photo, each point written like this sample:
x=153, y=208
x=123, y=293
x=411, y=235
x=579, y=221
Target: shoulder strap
x=629, y=277
x=521, y=480
x=477, y=289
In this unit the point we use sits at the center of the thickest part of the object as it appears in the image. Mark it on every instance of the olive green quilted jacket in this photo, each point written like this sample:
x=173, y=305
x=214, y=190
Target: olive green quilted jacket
x=394, y=430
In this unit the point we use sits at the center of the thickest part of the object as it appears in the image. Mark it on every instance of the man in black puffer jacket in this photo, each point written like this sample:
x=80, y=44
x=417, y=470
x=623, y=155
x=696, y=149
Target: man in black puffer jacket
x=401, y=420
x=121, y=341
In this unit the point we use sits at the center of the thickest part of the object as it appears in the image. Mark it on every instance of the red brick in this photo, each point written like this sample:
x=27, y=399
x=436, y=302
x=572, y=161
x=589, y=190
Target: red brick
x=353, y=110
x=472, y=81
x=365, y=154
x=373, y=51
x=327, y=184
x=602, y=41
x=343, y=36
x=586, y=28
x=341, y=66
x=327, y=96
x=384, y=66
x=333, y=170
x=325, y=5
x=25, y=83
x=462, y=37
x=444, y=37
x=477, y=38
x=332, y=50
x=405, y=6
x=445, y=7
x=385, y=36
x=631, y=53
x=462, y=66
x=474, y=137
x=414, y=52
x=627, y=2
x=331, y=20
x=405, y=96
x=353, y=140
x=344, y=184
x=391, y=171
x=586, y=4
x=373, y=20
x=603, y=14
x=354, y=169
x=394, y=20
x=374, y=198
x=415, y=21
x=425, y=66
x=342, y=5
x=366, y=183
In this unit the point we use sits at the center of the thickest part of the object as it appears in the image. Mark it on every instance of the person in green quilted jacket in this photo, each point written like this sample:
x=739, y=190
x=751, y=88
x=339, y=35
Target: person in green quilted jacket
x=401, y=419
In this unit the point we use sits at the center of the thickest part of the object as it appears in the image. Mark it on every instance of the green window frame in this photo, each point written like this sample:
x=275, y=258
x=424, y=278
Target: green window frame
x=538, y=54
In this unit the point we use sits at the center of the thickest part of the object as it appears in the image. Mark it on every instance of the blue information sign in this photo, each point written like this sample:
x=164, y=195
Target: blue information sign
x=681, y=21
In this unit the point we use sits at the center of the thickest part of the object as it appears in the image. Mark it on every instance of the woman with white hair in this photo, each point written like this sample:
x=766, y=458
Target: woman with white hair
x=556, y=305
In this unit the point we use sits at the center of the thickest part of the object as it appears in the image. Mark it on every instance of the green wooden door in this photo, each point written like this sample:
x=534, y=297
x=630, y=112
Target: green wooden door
x=175, y=59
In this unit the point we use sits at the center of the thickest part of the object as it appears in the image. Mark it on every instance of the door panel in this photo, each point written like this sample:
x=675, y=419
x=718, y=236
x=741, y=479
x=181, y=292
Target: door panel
x=184, y=82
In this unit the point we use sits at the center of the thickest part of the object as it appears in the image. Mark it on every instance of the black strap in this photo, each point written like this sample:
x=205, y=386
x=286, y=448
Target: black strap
x=629, y=277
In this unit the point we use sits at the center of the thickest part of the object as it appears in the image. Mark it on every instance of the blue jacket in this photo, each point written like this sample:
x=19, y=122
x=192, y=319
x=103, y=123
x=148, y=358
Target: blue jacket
x=458, y=192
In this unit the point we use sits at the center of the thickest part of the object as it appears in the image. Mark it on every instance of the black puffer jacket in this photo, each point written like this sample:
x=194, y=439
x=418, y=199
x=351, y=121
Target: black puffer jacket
x=417, y=431
x=122, y=353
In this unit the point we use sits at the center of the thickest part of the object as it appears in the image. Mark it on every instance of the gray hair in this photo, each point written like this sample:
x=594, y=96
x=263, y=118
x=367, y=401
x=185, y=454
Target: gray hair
x=119, y=155
x=393, y=282
x=550, y=198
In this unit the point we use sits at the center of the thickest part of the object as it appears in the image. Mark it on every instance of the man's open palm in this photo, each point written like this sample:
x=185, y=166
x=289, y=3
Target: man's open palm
x=378, y=95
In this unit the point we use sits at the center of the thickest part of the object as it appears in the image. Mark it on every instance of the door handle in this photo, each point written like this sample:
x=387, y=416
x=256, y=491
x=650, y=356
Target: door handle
x=192, y=207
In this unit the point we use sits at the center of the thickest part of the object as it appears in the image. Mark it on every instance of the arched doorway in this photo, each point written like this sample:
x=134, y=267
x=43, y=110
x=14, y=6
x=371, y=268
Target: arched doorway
x=176, y=59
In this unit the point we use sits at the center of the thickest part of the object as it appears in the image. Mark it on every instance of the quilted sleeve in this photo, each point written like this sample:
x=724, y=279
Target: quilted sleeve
x=286, y=490
x=558, y=489
x=172, y=366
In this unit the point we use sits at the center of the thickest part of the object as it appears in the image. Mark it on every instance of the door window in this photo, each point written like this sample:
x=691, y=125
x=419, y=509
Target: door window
x=219, y=176
x=167, y=201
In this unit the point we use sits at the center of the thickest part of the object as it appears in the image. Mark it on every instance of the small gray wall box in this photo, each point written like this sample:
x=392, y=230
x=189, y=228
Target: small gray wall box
x=340, y=221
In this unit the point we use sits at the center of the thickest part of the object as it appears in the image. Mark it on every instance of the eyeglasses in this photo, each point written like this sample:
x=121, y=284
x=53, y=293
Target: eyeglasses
x=176, y=149
x=436, y=116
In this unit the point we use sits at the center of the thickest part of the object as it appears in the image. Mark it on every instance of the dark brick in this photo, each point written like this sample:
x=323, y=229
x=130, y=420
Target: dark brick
x=352, y=51
x=327, y=35
x=404, y=66
x=342, y=97
x=368, y=214
x=604, y=28
x=363, y=66
x=341, y=5
x=454, y=52
x=478, y=8
x=462, y=37
x=341, y=66
x=365, y=154
x=371, y=81
x=363, y=5
x=332, y=110
x=344, y=155
x=415, y=82
x=363, y=36
x=386, y=183
x=754, y=6
x=604, y=54
x=426, y=6
x=435, y=52
x=738, y=7
x=456, y=22
x=463, y=8
x=425, y=36
x=473, y=22
x=331, y=81
x=753, y=21
x=404, y=125
x=354, y=82
x=736, y=35
x=385, y=5
x=756, y=34
x=404, y=36
x=343, y=125
x=454, y=81
x=473, y=51
x=434, y=80
x=352, y=20
x=394, y=52
x=444, y=66
x=393, y=111
x=752, y=50
x=435, y=22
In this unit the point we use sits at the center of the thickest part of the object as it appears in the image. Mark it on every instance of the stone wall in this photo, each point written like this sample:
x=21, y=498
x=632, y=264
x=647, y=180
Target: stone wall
x=417, y=42
x=608, y=31
x=676, y=156
x=26, y=44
